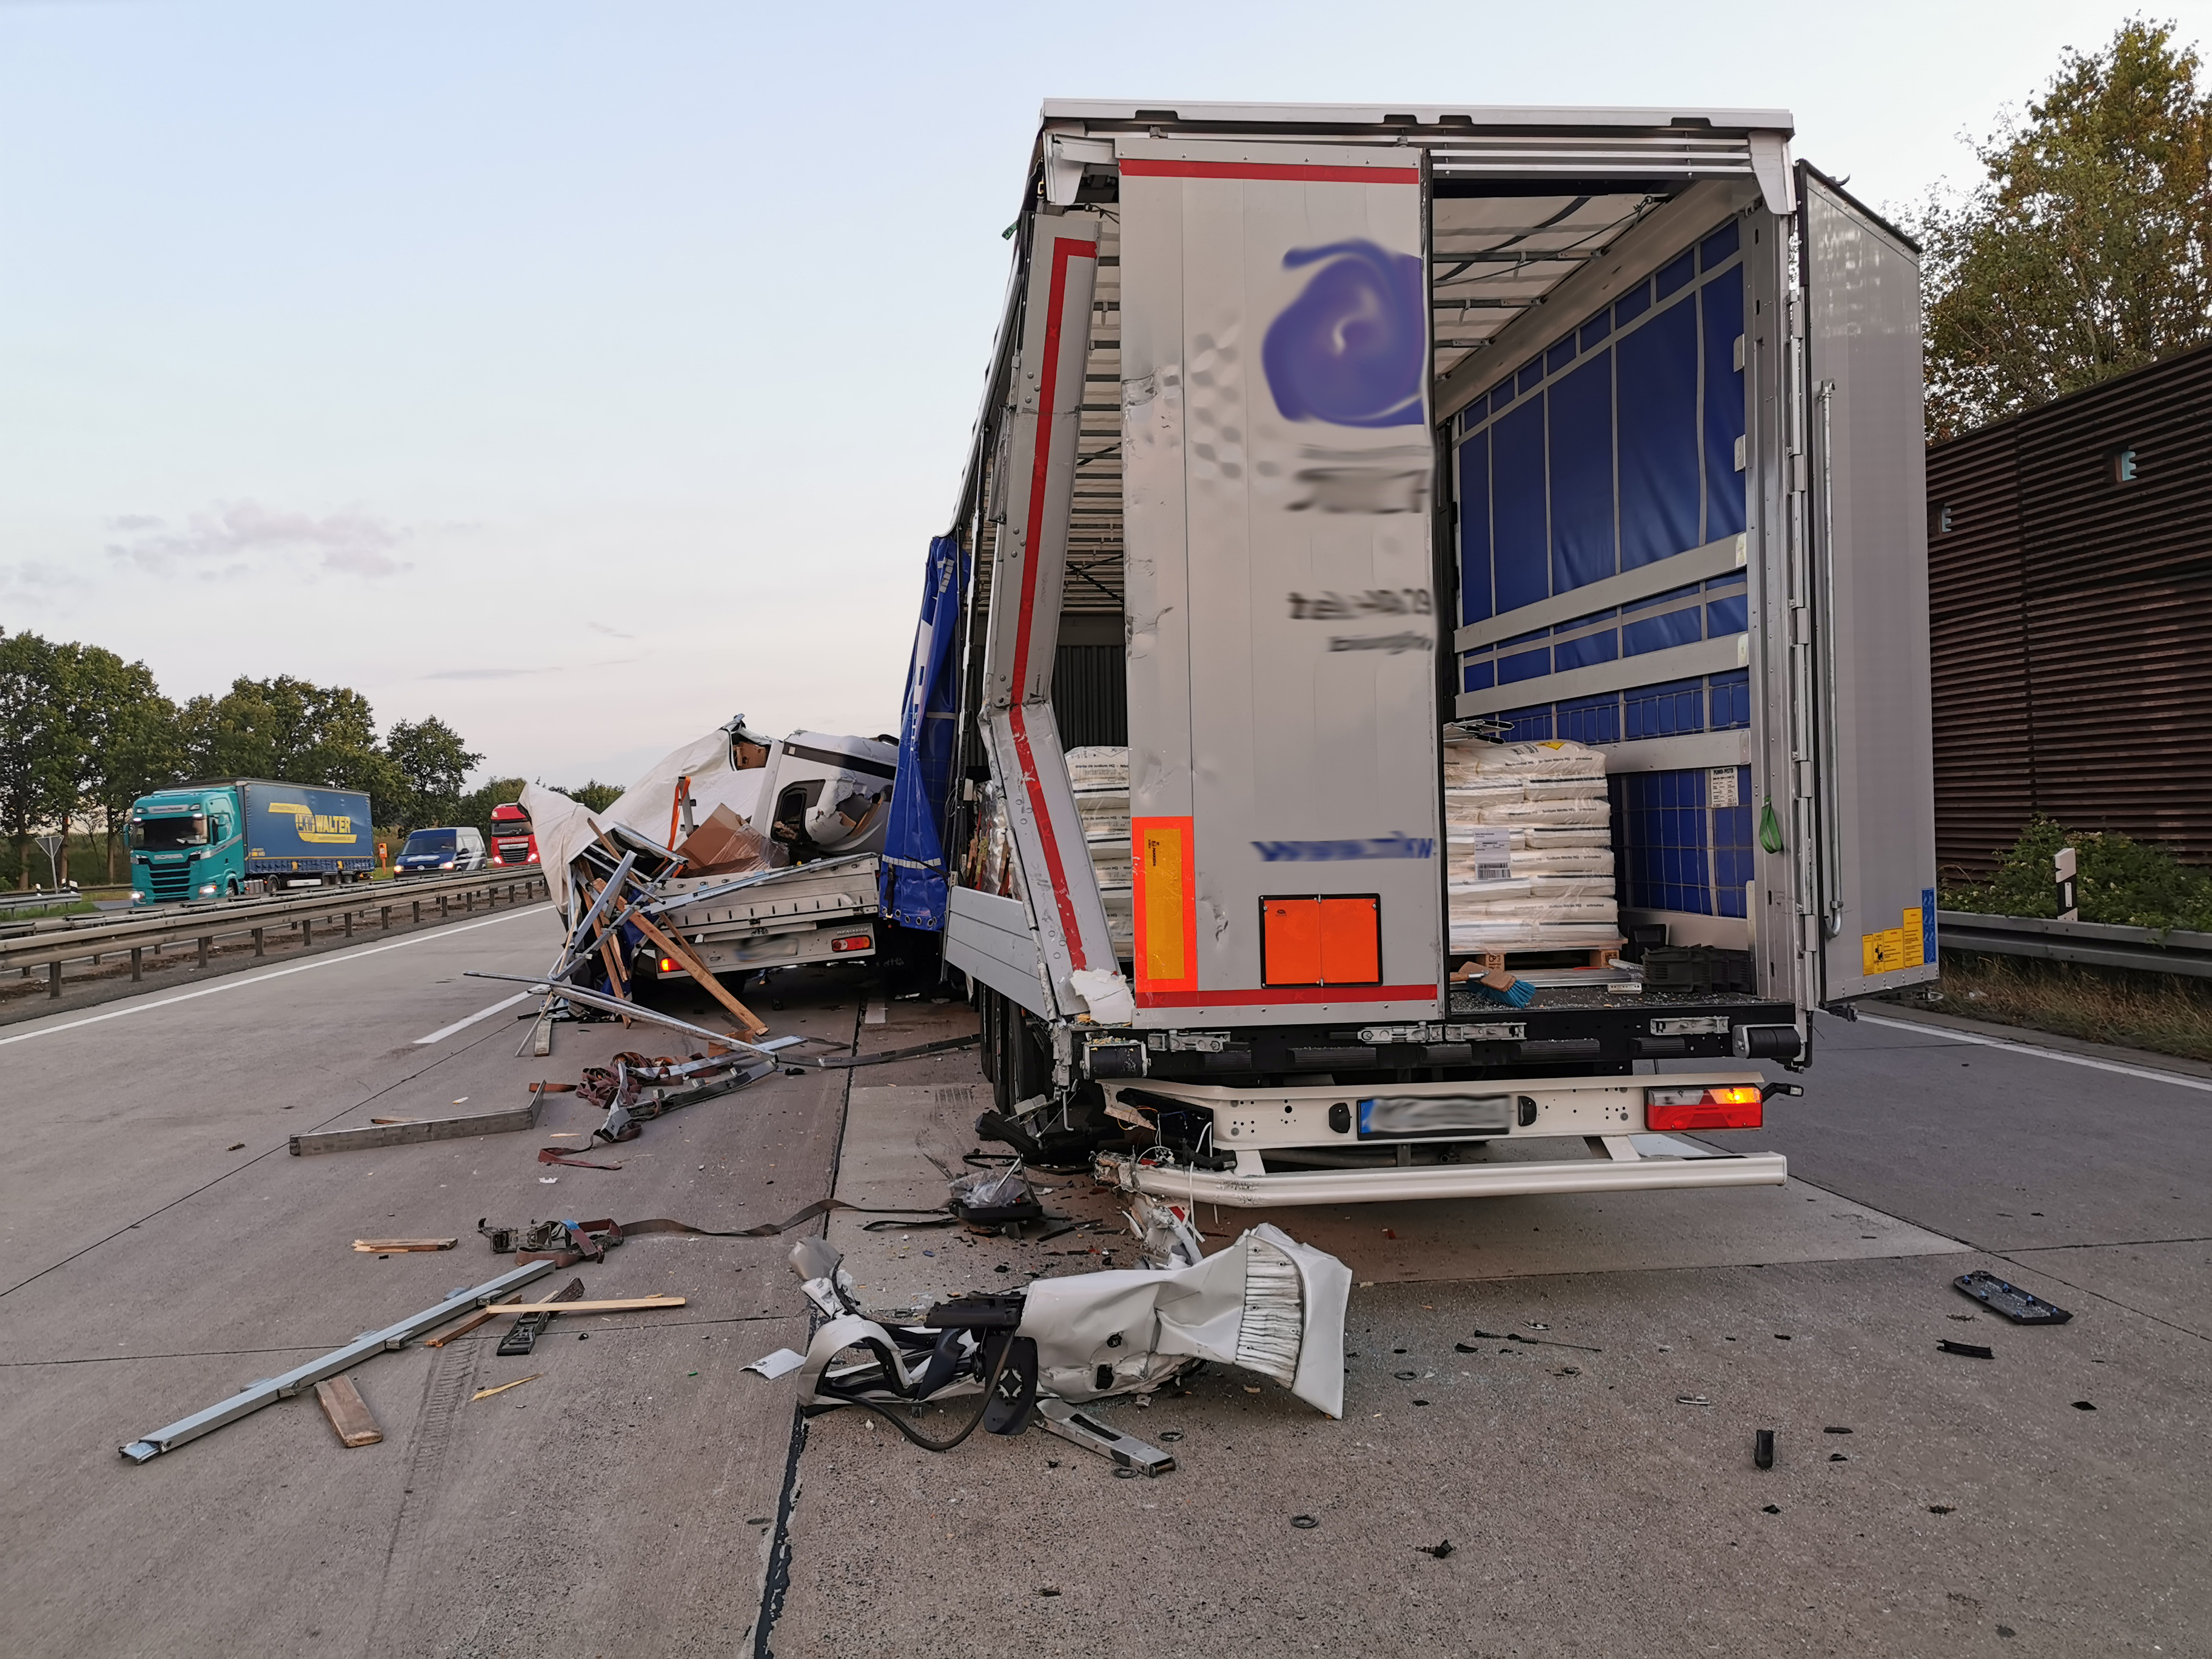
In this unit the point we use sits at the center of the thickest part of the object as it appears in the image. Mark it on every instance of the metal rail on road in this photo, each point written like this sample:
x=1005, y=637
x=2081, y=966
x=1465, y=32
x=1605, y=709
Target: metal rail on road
x=84, y=938
x=2145, y=949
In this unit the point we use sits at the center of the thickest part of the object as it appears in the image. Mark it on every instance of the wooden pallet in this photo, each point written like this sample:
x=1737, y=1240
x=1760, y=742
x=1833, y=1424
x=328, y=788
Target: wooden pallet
x=1479, y=965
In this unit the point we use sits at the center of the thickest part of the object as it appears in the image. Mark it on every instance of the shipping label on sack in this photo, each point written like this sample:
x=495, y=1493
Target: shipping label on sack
x=1493, y=853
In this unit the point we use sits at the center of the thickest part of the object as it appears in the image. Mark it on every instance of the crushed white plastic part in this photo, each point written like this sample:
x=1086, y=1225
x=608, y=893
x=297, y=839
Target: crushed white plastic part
x=1106, y=993
x=781, y=1363
x=1237, y=1307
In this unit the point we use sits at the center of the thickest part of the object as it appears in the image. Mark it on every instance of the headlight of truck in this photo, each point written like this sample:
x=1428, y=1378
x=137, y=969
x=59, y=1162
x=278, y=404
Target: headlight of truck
x=207, y=890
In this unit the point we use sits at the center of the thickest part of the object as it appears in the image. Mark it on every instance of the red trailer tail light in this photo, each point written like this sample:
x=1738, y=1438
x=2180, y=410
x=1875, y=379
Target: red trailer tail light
x=851, y=942
x=1737, y=1106
x=667, y=966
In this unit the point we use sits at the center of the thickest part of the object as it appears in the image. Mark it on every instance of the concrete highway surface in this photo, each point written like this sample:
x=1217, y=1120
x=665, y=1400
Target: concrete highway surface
x=644, y=1495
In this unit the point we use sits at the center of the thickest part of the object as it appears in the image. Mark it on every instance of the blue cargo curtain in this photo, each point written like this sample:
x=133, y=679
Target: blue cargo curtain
x=914, y=848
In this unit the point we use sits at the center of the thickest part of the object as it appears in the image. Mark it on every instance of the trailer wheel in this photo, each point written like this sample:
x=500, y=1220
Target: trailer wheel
x=1024, y=1068
x=987, y=1017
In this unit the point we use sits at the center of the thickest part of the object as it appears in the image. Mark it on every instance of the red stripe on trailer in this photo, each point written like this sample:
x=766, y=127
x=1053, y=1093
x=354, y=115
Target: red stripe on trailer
x=1287, y=994
x=1290, y=172
x=1063, y=250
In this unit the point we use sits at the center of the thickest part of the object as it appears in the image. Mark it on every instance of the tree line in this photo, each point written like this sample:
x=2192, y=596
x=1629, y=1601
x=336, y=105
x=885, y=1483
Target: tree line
x=2085, y=250
x=87, y=733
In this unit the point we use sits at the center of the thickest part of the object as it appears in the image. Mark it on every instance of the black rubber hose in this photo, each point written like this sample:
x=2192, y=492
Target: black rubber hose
x=982, y=1407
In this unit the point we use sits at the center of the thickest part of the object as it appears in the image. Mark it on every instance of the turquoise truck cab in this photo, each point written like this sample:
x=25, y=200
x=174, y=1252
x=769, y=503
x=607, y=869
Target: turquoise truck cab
x=206, y=840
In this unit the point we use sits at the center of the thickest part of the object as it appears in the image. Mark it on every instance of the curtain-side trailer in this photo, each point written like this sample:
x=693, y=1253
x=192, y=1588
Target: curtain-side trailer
x=1369, y=433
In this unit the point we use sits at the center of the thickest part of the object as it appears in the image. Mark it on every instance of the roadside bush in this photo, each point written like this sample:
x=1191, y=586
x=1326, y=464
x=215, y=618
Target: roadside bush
x=2119, y=881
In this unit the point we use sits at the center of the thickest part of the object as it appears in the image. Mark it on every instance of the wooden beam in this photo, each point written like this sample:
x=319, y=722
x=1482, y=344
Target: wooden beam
x=349, y=1413
x=681, y=955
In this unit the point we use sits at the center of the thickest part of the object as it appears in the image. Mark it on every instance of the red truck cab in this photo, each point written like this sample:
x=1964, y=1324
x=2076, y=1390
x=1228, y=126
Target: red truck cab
x=512, y=840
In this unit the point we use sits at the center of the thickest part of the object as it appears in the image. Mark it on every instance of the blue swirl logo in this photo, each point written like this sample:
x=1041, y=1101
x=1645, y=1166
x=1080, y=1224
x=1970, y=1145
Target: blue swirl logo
x=1351, y=349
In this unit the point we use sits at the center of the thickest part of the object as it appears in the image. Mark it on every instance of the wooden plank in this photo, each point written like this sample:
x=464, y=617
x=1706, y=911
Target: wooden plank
x=349, y=1413
x=481, y=1316
x=393, y=1246
x=619, y=1304
x=404, y=1135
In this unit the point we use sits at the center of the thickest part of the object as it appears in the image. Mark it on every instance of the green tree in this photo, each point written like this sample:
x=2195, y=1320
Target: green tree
x=2083, y=252
x=293, y=731
x=433, y=764
x=129, y=738
x=38, y=751
x=596, y=795
x=475, y=807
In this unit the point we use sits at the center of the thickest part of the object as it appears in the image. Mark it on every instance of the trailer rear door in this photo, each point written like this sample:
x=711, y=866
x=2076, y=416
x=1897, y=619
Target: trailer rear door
x=1874, y=762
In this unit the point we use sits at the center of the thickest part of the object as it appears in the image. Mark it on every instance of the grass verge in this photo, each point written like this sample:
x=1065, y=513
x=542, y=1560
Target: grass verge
x=2162, y=1013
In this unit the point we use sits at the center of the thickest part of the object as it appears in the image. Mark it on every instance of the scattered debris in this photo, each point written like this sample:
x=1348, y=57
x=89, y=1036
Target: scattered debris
x=1048, y=1589
x=1267, y=1303
x=561, y=1155
x=1941, y=1509
x=991, y=1199
x=1770, y=1509
x=235, y=1146
x=1835, y=1430
x=524, y=1334
x=486, y=1393
x=1762, y=1448
x=400, y=1246
x=1546, y=1341
x=269, y=1390
x=2083, y=1405
x=1304, y=1522
x=1691, y=1399
x=1838, y=1457
x=1440, y=1551
x=781, y=1363
x=2021, y=1306
x=1970, y=1350
x=349, y=1413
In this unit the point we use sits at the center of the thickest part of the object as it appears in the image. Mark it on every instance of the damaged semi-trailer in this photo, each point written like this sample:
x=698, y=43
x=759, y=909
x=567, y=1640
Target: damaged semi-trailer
x=1393, y=446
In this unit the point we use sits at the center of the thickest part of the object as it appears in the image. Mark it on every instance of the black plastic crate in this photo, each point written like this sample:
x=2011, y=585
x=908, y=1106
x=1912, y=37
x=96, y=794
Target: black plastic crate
x=1698, y=968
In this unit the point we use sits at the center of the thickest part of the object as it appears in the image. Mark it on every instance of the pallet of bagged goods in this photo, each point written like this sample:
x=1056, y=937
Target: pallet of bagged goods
x=1529, y=846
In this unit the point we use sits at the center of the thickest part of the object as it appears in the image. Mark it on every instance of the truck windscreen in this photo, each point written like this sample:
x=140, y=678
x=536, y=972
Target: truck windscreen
x=162, y=833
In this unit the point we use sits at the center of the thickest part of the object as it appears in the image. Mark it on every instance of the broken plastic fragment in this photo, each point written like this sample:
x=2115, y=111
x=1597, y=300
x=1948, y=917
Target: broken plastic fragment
x=781, y=1363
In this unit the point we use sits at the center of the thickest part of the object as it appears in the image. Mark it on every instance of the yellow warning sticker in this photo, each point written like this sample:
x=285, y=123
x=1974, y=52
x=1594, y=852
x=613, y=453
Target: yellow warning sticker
x=1882, y=952
x=1916, y=951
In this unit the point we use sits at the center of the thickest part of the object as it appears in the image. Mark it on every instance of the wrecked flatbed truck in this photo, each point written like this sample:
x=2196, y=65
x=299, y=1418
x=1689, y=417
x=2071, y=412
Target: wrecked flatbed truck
x=1370, y=435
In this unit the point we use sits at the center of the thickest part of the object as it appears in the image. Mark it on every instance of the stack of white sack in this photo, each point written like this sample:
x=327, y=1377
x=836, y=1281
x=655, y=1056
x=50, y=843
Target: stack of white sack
x=1529, y=846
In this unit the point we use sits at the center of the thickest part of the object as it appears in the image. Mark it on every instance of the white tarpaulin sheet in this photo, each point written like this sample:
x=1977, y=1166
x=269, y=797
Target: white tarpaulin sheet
x=648, y=805
x=563, y=827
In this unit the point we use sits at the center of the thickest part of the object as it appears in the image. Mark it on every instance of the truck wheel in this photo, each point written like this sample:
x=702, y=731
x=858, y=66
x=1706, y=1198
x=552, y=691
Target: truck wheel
x=1023, y=1068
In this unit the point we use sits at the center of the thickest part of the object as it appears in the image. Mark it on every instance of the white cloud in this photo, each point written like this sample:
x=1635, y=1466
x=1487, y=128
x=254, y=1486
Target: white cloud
x=236, y=539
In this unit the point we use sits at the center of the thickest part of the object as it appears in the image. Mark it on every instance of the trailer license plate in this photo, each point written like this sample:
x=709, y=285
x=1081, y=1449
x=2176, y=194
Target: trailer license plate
x=1400, y=1117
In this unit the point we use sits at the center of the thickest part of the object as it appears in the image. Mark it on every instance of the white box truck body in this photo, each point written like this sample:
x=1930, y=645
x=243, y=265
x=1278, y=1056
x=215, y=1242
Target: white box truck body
x=1379, y=429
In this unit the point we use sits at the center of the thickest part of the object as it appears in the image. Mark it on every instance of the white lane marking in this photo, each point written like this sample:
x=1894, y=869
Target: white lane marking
x=445, y=1031
x=2180, y=1080
x=261, y=979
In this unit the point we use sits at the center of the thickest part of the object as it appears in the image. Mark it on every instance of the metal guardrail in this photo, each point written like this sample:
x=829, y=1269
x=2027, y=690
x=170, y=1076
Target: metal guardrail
x=51, y=943
x=38, y=898
x=2144, y=950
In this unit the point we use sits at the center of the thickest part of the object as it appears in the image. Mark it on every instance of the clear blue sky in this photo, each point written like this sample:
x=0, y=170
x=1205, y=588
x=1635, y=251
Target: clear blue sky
x=587, y=373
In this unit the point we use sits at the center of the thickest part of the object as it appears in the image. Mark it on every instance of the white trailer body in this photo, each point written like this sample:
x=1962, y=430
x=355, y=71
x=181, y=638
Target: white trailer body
x=1626, y=448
